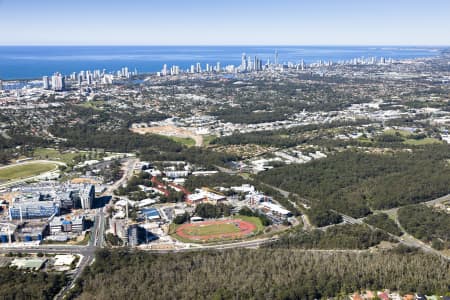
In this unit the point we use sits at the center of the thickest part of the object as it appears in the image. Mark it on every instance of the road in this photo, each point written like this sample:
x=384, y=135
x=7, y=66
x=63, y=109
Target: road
x=97, y=237
x=410, y=240
x=128, y=169
x=87, y=253
x=393, y=211
x=406, y=239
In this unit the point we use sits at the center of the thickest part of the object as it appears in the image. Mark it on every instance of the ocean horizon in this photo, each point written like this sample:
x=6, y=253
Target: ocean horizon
x=33, y=62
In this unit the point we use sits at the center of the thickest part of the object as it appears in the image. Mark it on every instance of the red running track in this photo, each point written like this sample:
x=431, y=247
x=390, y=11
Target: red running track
x=246, y=228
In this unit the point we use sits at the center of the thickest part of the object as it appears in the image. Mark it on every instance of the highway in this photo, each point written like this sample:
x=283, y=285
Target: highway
x=406, y=239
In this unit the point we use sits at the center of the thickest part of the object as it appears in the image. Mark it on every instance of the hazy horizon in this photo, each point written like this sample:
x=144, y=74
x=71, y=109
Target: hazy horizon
x=225, y=45
x=201, y=22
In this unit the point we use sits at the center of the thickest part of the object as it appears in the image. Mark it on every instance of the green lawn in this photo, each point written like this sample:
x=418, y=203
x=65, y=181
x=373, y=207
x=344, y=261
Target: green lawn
x=212, y=229
x=425, y=141
x=93, y=104
x=185, y=141
x=364, y=140
x=207, y=139
x=247, y=176
x=53, y=154
x=25, y=170
x=254, y=220
x=66, y=157
x=410, y=141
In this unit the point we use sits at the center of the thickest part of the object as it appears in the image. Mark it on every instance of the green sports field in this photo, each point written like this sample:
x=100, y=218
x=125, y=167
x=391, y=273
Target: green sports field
x=185, y=141
x=211, y=229
x=254, y=220
x=25, y=170
x=235, y=228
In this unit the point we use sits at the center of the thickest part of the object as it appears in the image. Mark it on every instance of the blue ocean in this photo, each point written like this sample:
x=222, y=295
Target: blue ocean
x=29, y=62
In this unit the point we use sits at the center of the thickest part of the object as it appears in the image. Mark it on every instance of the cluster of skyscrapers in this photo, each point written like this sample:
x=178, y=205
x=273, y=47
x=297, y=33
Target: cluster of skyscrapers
x=197, y=68
x=355, y=61
x=57, y=82
x=255, y=64
x=248, y=64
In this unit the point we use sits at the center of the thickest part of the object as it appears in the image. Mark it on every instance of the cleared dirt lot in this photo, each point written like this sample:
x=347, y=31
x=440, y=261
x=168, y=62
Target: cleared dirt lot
x=170, y=130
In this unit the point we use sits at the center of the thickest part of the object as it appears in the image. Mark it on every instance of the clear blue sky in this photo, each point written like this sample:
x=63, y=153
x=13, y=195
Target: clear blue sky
x=225, y=22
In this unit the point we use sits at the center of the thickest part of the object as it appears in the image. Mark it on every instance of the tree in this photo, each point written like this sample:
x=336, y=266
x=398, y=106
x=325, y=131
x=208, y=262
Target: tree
x=183, y=218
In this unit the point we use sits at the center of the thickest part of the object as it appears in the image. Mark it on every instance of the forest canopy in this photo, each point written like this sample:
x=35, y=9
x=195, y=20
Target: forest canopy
x=355, y=183
x=267, y=274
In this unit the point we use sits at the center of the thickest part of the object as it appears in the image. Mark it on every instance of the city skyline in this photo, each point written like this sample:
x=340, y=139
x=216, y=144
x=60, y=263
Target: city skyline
x=200, y=22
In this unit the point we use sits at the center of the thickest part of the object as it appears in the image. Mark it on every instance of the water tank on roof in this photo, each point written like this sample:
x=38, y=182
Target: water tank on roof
x=4, y=238
x=28, y=238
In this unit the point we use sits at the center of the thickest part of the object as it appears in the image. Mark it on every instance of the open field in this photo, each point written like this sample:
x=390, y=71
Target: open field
x=208, y=231
x=93, y=104
x=25, y=170
x=254, y=220
x=53, y=154
x=425, y=141
x=212, y=229
x=185, y=141
x=408, y=140
x=207, y=139
x=171, y=131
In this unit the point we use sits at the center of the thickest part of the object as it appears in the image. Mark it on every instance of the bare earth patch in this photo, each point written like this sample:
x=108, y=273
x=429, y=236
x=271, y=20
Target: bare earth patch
x=170, y=130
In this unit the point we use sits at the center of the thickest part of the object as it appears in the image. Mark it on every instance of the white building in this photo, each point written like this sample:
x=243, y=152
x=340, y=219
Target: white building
x=58, y=82
x=275, y=209
x=45, y=83
x=87, y=196
x=245, y=188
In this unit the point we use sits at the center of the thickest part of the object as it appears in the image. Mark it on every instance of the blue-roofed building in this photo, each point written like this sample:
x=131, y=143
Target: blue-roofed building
x=151, y=214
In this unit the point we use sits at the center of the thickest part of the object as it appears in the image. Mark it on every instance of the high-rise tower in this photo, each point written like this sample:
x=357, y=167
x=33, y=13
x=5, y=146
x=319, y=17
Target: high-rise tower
x=45, y=83
x=58, y=82
x=244, y=62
